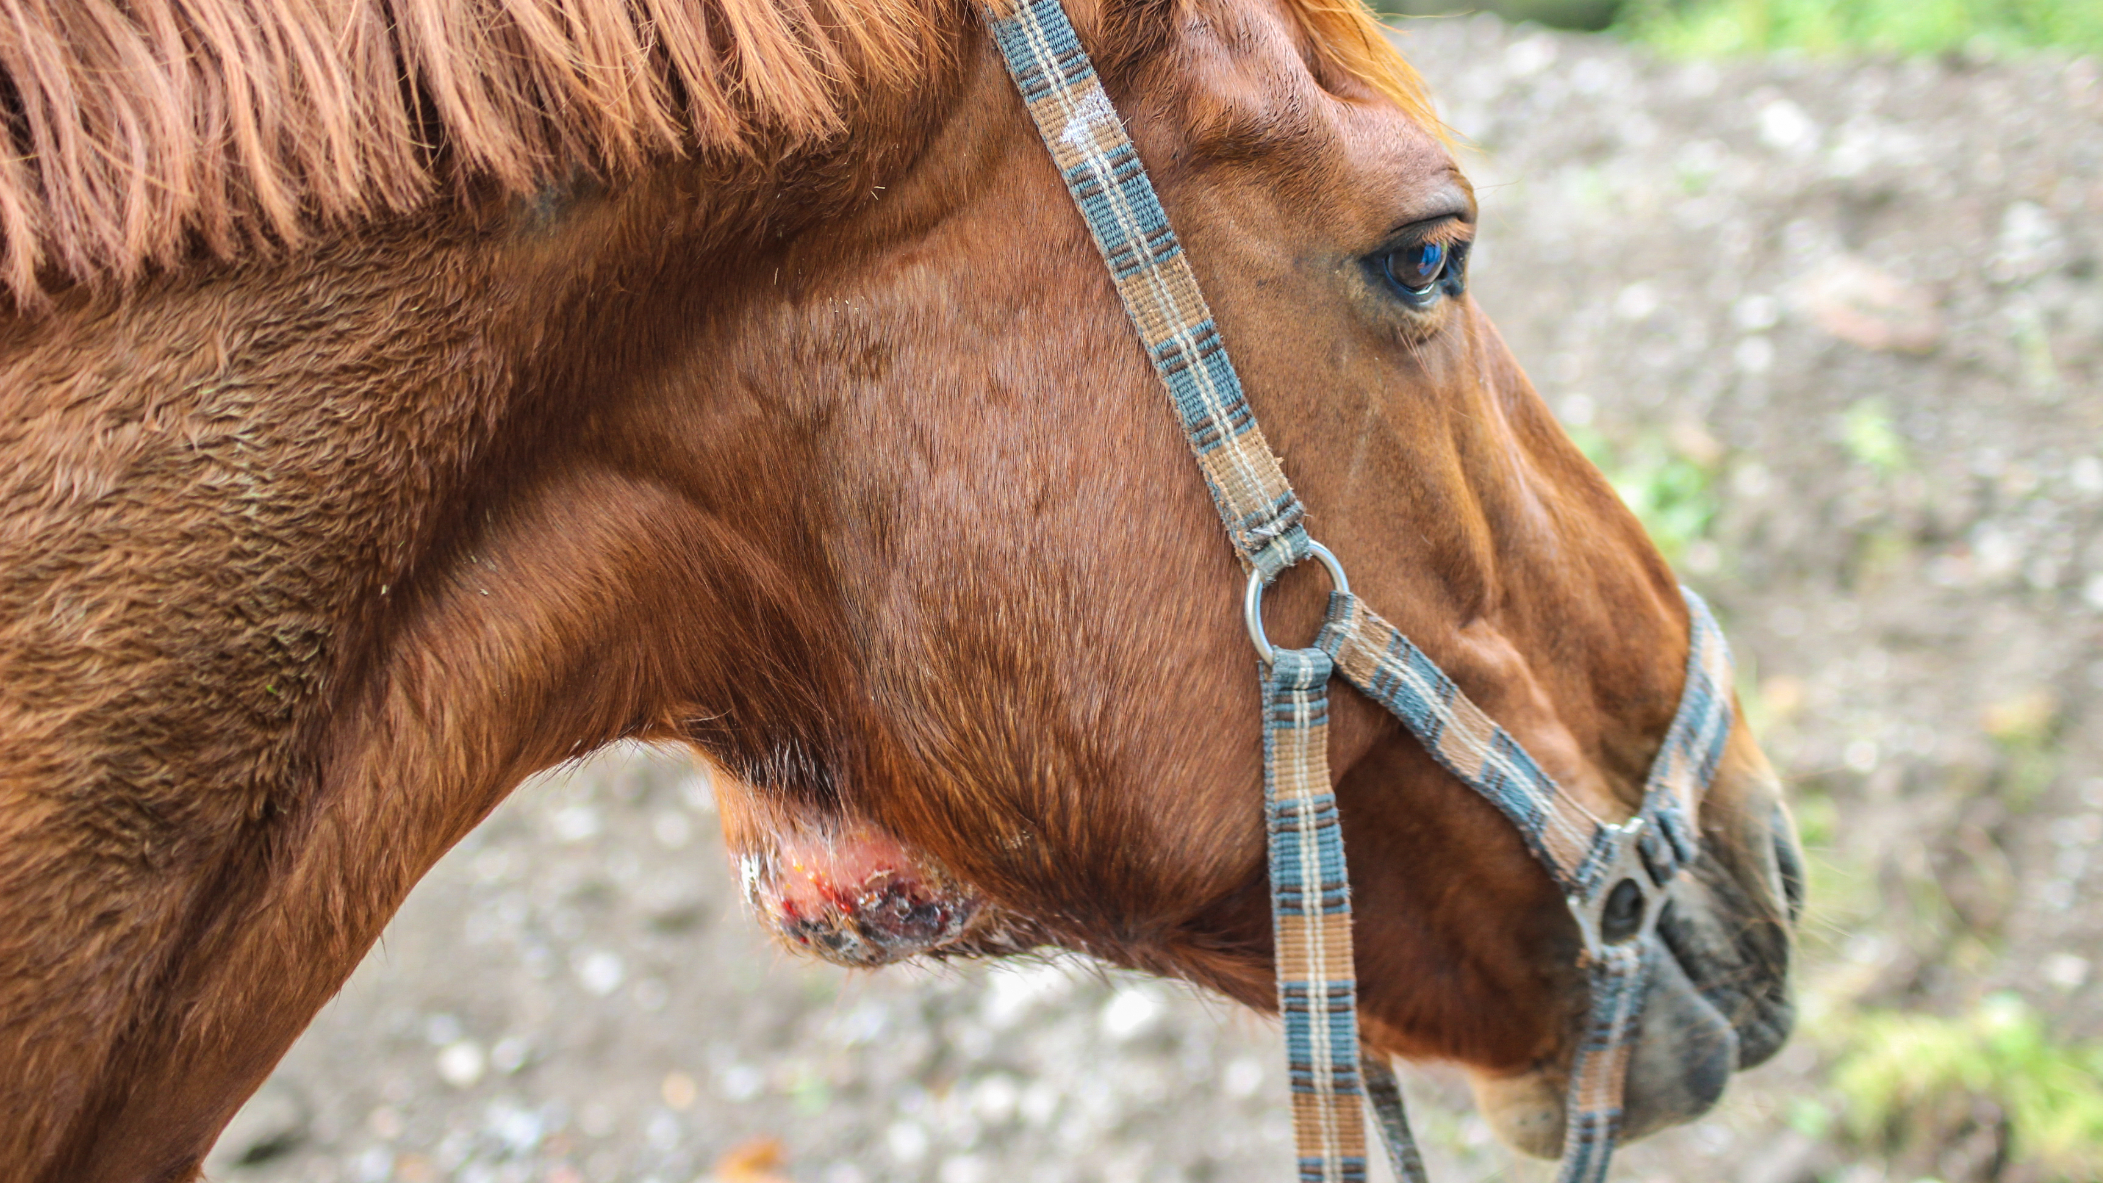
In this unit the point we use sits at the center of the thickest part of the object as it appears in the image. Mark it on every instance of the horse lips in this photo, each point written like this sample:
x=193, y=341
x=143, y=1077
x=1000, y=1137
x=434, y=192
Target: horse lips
x=856, y=897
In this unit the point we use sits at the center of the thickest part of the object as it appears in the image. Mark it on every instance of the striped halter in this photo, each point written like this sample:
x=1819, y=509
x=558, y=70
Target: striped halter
x=1604, y=870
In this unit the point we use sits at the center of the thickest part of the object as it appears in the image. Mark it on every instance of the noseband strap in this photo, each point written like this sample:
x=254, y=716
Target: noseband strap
x=1613, y=876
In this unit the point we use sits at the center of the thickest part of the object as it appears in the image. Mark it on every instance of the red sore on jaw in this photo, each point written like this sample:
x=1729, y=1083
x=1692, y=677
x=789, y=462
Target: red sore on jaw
x=854, y=895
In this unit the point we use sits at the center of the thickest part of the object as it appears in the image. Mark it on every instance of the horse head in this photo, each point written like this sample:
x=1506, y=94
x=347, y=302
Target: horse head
x=1038, y=612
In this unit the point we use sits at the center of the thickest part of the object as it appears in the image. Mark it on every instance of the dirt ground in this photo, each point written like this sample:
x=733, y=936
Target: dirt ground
x=1836, y=326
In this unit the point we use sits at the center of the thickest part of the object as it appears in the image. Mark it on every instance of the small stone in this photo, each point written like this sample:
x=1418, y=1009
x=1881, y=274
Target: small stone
x=2031, y=243
x=673, y=830
x=1787, y=127
x=1531, y=56
x=601, y=973
x=1861, y=756
x=740, y=1082
x=755, y=1160
x=575, y=823
x=2065, y=970
x=1637, y=301
x=907, y=1141
x=510, y=1054
x=1131, y=1011
x=679, y=1091
x=461, y=1064
x=2028, y=718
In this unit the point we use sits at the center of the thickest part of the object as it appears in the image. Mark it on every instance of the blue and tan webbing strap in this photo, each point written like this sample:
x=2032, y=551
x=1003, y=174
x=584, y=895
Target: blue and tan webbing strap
x=1385, y=1093
x=1311, y=920
x=1374, y=656
x=1620, y=974
x=1686, y=763
x=1102, y=170
x=1568, y=839
x=1620, y=978
x=1574, y=845
x=1317, y=992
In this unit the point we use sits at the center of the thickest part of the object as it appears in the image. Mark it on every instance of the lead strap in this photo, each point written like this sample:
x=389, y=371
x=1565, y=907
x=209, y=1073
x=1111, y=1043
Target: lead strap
x=1385, y=1092
x=1311, y=920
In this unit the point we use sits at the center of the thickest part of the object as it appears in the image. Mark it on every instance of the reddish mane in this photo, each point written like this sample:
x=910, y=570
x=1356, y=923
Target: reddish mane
x=138, y=134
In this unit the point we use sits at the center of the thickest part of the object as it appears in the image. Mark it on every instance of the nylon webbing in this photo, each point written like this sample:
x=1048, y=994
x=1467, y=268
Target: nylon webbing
x=1311, y=920
x=1564, y=836
x=1310, y=891
x=1385, y=1092
x=1102, y=170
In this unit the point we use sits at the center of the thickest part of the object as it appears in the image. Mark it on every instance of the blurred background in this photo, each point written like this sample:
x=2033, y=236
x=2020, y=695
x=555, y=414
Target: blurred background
x=1817, y=284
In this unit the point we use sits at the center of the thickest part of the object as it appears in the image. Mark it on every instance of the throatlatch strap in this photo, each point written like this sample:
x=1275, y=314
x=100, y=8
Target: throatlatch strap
x=1311, y=920
x=1103, y=172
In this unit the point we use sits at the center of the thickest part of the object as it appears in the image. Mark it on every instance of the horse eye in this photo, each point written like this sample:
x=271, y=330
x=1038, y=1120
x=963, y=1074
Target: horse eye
x=1418, y=273
x=1430, y=260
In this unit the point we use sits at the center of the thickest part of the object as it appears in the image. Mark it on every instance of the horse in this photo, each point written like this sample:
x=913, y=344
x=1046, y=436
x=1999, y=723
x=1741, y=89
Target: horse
x=404, y=396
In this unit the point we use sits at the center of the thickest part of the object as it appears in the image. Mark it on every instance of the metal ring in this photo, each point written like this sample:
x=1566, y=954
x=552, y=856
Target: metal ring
x=1252, y=599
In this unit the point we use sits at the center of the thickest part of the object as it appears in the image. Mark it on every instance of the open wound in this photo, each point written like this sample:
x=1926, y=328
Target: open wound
x=855, y=896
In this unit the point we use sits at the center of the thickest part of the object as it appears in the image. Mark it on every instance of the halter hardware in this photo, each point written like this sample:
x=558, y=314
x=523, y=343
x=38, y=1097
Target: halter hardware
x=1624, y=867
x=1613, y=877
x=1252, y=598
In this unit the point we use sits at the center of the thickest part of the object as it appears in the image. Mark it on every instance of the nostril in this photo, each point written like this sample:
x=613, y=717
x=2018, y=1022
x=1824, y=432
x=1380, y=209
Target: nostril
x=1789, y=861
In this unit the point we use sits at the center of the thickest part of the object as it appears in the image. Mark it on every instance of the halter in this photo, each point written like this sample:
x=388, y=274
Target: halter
x=1602, y=868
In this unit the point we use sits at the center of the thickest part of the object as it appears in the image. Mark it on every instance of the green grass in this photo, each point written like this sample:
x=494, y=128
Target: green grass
x=1895, y=1068
x=1673, y=494
x=1710, y=28
x=1871, y=438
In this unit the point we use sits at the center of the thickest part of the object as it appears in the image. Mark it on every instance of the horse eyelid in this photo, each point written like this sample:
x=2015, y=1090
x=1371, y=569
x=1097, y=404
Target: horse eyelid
x=1446, y=228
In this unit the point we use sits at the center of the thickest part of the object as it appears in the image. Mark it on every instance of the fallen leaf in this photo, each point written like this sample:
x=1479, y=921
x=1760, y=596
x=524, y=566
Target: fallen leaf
x=754, y=1160
x=1862, y=304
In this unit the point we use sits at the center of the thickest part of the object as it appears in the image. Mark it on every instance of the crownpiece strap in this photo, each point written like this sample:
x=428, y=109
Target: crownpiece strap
x=1102, y=170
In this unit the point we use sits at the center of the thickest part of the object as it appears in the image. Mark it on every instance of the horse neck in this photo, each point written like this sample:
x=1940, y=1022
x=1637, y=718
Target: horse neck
x=304, y=566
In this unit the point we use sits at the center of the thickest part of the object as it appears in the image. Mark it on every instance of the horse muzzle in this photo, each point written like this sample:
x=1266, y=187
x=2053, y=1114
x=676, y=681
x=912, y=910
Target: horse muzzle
x=1718, y=998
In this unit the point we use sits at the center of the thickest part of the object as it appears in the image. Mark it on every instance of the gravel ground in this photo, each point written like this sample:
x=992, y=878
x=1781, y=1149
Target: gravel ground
x=1839, y=323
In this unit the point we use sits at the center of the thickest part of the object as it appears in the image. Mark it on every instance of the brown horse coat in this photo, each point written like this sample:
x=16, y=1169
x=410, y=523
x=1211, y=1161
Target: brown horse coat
x=396, y=407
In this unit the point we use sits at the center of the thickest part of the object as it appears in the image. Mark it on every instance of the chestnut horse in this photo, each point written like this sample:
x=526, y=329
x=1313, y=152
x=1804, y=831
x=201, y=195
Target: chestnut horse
x=403, y=396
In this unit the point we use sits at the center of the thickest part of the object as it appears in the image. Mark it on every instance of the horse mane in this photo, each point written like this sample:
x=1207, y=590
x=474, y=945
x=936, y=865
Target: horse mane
x=138, y=133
